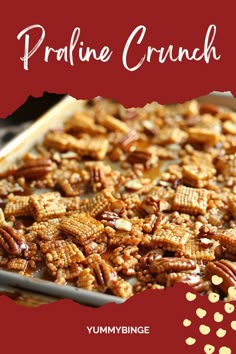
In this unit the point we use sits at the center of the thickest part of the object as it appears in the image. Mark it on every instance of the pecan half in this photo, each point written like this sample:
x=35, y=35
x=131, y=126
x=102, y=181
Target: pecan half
x=12, y=241
x=108, y=218
x=172, y=264
x=193, y=280
x=104, y=274
x=97, y=178
x=139, y=156
x=34, y=168
x=208, y=108
x=150, y=204
x=225, y=270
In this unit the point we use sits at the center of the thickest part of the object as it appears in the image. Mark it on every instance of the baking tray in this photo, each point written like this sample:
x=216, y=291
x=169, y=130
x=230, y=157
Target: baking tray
x=54, y=118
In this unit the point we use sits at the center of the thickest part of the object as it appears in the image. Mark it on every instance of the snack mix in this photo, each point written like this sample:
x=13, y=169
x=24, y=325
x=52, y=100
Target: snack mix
x=120, y=200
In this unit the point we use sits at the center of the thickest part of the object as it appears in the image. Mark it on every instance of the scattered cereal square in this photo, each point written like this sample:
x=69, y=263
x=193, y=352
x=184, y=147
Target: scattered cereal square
x=190, y=200
x=46, y=206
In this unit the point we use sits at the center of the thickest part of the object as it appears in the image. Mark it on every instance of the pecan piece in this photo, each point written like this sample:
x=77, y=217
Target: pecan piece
x=208, y=108
x=97, y=178
x=149, y=224
x=225, y=270
x=108, y=218
x=150, y=204
x=11, y=241
x=150, y=257
x=193, y=280
x=104, y=274
x=172, y=264
x=34, y=168
x=141, y=157
x=127, y=140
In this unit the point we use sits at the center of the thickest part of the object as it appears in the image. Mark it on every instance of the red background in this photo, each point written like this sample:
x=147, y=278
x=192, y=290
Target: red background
x=61, y=327
x=181, y=23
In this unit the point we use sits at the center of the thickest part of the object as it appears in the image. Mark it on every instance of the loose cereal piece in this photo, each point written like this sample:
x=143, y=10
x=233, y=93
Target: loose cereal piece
x=170, y=237
x=46, y=206
x=82, y=122
x=164, y=153
x=86, y=280
x=195, y=250
x=228, y=239
x=196, y=157
x=140, y=287
x=63, y=256
x=131, y=200
x=60, y=141
x=171, y=136
x=122, y=288
x=69, y=273
x=71, y=203
x=7, y=187
x=190, y=200
x=100, y=202
x=82, y=226
x=230, y=144
x=33, y=253
x=52, y=244
x=71, y=184
x=94, y=247
x=229, y=127
x=162, y=193
x=197, y=175
x=46, y=230
x=125, y=259
x=17, y=206
x=190, y=108
x=60, y=277
x=112, y=123
x=232, y=204
x=203, y=135
x=91, y=259
x=227, y=165
x=2, y=217
x=18, y=264
x=95, y=147
x=120, y=237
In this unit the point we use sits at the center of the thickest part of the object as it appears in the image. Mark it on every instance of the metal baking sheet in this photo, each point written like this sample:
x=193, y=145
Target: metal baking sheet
x=24, y=142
